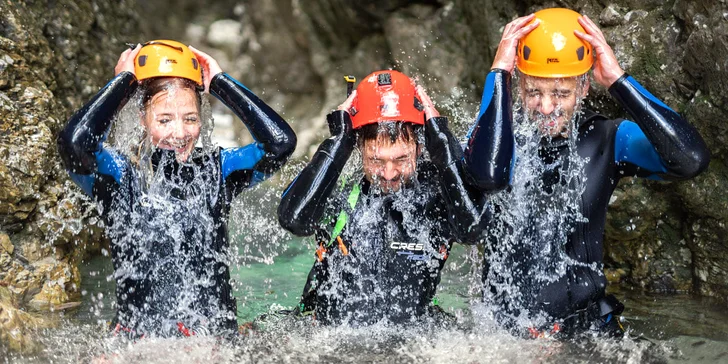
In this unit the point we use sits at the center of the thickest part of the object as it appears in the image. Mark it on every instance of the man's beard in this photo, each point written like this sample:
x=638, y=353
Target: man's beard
x=392, y=186
x=552, y=125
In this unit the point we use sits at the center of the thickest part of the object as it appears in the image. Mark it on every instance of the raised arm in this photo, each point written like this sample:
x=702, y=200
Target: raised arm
x=275, y=141
x=659, y=143
x=466, y=209
x=303, y=203
x=489, y=155
x=80, y=142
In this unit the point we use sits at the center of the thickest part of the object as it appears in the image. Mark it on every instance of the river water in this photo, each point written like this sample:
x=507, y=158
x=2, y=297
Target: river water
x=661, y=328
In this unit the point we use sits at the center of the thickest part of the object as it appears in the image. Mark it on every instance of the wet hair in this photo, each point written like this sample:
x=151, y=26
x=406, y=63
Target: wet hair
x=156, y=85
x=395, y=130
x=148, y=89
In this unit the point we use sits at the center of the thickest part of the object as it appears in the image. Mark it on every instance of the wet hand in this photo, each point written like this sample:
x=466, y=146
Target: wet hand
x=505, y=57
x=606, y=67
x=347, y=104
x=338, y=126
x=210, y=67
x=126, y=60
x=436, y=137
x=429, y=106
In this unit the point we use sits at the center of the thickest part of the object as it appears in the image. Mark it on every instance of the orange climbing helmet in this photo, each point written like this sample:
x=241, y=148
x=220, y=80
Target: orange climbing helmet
x=386, y=96
x=167, y=58
x=552, y=50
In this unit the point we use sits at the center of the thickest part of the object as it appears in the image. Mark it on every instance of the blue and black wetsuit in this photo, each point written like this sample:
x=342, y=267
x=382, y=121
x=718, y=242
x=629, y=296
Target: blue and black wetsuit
x=380, y=256
x=169, y=236
x=659, y=144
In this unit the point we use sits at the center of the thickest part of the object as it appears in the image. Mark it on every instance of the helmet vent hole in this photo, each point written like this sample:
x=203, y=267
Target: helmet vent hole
x=526, y=52
x=418, y=105
x=580, y=53
x=194, y=63
x=142, y=61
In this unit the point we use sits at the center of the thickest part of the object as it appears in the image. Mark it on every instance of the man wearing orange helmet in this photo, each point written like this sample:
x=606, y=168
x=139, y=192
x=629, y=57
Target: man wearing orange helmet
x=383, y=236
x=553, y=50
x=165, y=205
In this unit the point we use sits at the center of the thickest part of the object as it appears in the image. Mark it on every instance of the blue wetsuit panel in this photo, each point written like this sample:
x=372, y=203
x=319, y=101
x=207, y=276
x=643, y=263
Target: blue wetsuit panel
x=107, y=163
x=488, y=91
x=235, y=159
x=110, y=164
x=85, y=181
x=632, y=146
x=485, y=100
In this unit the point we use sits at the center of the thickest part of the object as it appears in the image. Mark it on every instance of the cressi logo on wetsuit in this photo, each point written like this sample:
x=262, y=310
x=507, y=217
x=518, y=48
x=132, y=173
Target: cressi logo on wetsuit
x=413, y=251
x=396, y=245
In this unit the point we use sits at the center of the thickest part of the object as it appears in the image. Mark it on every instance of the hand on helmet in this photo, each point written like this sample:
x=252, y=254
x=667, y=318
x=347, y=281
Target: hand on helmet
x=126, y=60
x=429, y=106
x=347, y=105
x=505, y=57
x=338, y=126
x=210, y=67
x=606, y=68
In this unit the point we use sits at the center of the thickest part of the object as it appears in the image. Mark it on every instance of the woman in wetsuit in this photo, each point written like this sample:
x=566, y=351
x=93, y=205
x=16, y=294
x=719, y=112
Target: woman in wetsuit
x=166, y=207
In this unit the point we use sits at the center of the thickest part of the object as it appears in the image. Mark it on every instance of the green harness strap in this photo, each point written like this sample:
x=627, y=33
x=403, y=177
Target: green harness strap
x=343, y=216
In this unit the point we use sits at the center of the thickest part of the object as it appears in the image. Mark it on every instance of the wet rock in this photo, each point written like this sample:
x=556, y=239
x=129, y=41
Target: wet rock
x=53, y=57
x=647, y=247
x=610, y=16
x=6, y=246
x=225, y=33
x=60, y=288
x=17, y=327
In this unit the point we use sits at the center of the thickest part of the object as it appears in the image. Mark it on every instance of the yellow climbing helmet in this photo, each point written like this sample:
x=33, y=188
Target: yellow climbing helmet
x=167, y=58
x=552, y=50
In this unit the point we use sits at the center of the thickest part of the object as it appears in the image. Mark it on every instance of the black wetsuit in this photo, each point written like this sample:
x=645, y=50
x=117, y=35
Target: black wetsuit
x=659, y=144
x=169, y=236
x=380, y=255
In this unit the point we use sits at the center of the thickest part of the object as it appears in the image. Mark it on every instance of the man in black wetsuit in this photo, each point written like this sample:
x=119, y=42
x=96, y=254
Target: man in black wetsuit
x=384, y=234
x=554, y=49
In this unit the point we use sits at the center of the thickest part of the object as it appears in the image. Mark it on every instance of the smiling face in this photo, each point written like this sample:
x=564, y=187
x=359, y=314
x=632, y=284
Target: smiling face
x=389, y=154
x=551, y=102
x=172, y=119
x=389, y=165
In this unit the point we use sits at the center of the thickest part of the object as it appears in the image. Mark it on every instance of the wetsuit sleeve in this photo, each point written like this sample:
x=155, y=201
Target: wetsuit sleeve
x=490, y=150
x=303, y=203
x=80, y=143
x=659, y=144
x=468, y=212
x=274, y=143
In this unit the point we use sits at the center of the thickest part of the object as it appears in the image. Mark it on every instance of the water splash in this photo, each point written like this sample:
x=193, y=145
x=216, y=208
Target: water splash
x=536, y=216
